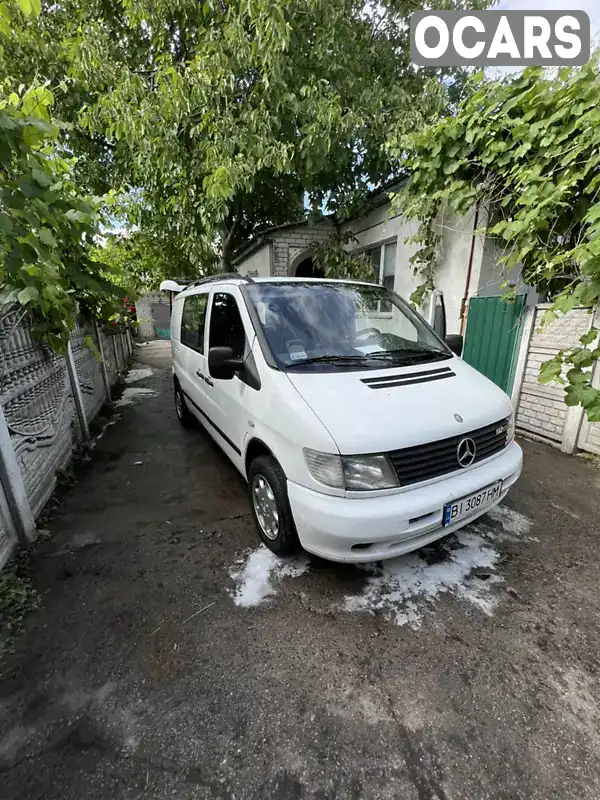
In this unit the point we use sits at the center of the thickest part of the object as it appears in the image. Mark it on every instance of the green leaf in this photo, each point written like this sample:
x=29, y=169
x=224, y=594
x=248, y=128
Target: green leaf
x=6, y=225
x=589, y=337
x=577, y=376
x=25, y=6
x=41, y=177
x=582, y=358
x=550, y=370
x=77, y=216
x=27, y=295
x=46, y=237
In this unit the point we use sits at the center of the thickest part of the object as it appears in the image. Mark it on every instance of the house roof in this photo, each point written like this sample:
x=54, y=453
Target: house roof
x=380, y=196
x=374, y=199
x=250, y=247
x=261, y=237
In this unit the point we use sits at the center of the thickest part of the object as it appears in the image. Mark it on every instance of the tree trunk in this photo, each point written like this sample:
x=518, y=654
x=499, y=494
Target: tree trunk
x=226, y=255
x=228, y=237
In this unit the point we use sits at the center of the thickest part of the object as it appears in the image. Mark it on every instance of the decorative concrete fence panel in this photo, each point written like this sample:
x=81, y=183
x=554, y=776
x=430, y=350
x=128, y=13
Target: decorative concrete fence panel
x=541, y=409
x=38, y=407
x=110, y=355
x=46, y=404
x=88, y=365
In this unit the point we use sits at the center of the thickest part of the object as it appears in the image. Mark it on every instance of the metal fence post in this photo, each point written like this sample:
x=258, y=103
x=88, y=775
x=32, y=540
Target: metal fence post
x=76, y=390
x=102, y=362
x=14, y=487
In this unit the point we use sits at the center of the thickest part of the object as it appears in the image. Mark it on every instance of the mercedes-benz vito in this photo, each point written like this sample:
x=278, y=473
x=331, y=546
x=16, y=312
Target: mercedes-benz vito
x=361, y=434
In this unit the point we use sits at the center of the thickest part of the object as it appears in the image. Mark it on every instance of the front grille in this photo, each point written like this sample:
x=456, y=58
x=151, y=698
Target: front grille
x=426, y=461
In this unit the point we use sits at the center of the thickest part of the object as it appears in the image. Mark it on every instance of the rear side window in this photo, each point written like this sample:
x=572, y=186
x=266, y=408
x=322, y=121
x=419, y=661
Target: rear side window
x=226, y=326
x=193, y=318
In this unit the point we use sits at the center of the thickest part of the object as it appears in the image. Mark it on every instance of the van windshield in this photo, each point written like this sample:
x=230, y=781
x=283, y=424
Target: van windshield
x=317, y=325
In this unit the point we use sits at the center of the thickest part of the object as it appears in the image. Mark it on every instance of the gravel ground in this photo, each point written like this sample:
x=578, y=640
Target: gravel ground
x=172, y=656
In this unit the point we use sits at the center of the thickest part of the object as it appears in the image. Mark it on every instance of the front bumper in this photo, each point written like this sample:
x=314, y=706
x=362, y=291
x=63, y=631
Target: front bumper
x=392, y=524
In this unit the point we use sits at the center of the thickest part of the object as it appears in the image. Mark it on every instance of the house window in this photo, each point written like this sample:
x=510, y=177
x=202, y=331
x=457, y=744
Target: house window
x=383, y=259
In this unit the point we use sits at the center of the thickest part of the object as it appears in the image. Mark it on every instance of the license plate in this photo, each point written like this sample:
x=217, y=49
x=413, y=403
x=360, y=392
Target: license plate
x=453, y=512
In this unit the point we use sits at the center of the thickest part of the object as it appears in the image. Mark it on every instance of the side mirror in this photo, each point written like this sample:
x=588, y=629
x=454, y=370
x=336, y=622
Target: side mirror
x=455, y=343
x=222, y=364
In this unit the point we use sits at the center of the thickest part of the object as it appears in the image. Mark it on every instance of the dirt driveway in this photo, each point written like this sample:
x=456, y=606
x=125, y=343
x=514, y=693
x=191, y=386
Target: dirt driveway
x=172, y=657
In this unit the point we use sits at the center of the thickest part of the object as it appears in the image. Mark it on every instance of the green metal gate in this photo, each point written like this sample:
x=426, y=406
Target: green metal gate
x=492, y=338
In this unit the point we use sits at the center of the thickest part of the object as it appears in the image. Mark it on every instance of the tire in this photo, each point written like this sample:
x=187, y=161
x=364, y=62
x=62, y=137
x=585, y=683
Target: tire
x=184, y=415
x=266, y=479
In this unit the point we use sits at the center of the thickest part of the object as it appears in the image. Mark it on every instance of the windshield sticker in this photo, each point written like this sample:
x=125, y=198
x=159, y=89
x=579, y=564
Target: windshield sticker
x=296, y=351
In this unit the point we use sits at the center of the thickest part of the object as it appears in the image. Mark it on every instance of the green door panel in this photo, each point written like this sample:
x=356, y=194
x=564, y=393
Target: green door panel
x=492, y=338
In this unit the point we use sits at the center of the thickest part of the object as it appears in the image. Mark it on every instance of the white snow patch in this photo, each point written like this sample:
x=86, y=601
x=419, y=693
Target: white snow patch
x=405, y=588
x=395, y=586
x=512, y=522
x=133, y=393
x=141, y=374
x=261, y=570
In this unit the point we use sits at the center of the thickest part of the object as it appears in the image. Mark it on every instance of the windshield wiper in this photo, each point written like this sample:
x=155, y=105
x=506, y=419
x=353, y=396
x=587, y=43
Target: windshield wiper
x=332, y=359
x=411, y=353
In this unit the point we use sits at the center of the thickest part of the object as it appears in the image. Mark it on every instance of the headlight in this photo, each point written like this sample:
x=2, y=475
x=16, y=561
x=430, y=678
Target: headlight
x=362, y=473
x=355, y=473
x=325, y=468
x=510, y=433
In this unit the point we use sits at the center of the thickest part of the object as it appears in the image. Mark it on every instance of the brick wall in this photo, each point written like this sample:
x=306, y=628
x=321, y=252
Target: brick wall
x=290, y=242
x=541, y=408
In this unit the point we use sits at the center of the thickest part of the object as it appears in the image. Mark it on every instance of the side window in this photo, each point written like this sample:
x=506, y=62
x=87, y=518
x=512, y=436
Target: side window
x=193, y=318
x=226, y=326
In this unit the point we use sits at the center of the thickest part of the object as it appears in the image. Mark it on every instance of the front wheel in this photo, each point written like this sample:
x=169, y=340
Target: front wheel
x=183, y=413
x=271, y=507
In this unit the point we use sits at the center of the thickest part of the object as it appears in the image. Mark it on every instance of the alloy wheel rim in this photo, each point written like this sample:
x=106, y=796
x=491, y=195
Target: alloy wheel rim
x=265, y=507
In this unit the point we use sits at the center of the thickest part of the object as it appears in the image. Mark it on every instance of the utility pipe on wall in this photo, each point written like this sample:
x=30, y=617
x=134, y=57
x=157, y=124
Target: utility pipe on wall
x=464, y=301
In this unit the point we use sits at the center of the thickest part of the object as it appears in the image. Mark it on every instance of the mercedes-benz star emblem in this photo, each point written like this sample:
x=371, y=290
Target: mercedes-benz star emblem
x=458, y=418
x=465, y=452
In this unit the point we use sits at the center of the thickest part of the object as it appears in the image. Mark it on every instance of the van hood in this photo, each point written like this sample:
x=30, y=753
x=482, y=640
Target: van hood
x=374, y=411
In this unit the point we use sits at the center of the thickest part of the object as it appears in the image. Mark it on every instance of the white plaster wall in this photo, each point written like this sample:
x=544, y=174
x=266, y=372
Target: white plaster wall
x=378, y=226
x=258, y=265
x=493, y=274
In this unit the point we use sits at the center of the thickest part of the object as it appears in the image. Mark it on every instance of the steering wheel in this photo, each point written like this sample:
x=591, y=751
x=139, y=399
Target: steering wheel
x=367, y=332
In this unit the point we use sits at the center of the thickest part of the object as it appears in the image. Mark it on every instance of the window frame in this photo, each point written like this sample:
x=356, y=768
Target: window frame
x=216, y=290
x=380, y=274
x=202, y=349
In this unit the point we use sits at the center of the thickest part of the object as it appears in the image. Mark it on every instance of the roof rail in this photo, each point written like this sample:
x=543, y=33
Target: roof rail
x=220, y=277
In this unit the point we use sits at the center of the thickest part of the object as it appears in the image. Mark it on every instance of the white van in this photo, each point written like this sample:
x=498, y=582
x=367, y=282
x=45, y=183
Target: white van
x=361, y=433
